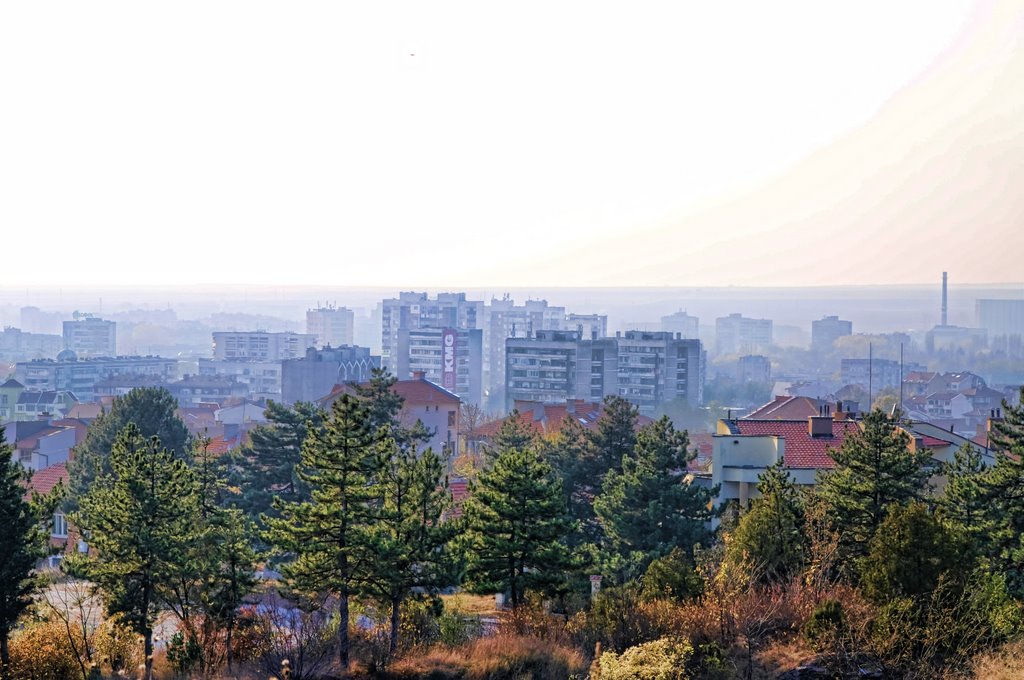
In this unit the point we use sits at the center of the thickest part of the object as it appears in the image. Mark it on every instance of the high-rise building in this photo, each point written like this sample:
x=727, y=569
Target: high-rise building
x=503, y=320
x=647, y=368
x=826, y=330
x=559, y=366
x=330, y=325
x=449, y=357
x=590, y=326
x=658, y=368
x=90, y=336
x=754, y=368
x=413, y=311
x=737, y=334
x=1001, y=318
x=681, y=323
x=876, y=374
x=260, y=345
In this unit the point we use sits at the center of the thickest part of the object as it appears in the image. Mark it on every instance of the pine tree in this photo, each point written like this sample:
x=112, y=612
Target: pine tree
x=140, y=523
x=384, y=410
x=875, y=469
x=151, y=409
x=648, y=509
x=768, y=541
x=329, y=538
x=515, y=524
x=1004, y=490
x=23, y=540
x=216, y=573
x=908, y=554
x=513, y=433
x=570, y=454
x=615, y=437
x=965, y=502
x=410, y=539
x=266, y=468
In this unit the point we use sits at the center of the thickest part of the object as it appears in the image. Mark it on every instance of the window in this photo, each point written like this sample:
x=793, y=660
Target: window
x=60, y=526
x=451, y=418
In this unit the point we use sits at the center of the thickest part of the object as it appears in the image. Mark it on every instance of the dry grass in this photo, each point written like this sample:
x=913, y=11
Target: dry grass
x=1005, y=663
x=499, y=657
x=783, y=655
x=470, y=605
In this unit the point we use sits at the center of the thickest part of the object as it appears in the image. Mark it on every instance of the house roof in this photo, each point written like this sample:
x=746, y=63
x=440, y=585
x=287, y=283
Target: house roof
x=87, y=411
x=44, y=480
x=12, y=383
x=414, y=392
x=32, y=441
x=786, y=408
x=919, y=376
x=801, y=449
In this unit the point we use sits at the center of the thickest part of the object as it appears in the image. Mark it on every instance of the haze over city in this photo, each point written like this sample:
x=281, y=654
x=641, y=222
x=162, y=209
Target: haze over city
x=480, y=341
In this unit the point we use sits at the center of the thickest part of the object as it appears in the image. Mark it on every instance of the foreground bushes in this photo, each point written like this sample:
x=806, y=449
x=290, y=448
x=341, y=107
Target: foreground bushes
x=664, y=659
x=499, y=657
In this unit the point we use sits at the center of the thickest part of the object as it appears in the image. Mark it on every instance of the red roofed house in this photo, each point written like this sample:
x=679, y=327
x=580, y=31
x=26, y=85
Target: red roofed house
x=63, y=538
x=437, y=408
x=743, y=449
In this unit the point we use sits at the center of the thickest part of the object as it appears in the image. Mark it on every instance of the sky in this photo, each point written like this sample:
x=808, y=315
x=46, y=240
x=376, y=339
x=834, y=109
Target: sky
x=519, y=144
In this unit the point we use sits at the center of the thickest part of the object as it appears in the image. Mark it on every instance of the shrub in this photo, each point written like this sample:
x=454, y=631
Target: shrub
x=827, y=619
x=118, y=647
x=499, y=657
x=672, y=577
x=41, y=652
x=456, y=629
x=663, y=659
x=303, y=636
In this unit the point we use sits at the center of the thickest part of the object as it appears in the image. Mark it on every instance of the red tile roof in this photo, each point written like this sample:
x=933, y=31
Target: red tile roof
x=801, y=450
x=934, y=442
x=44, y=480
x=414, y=392
x=786, y=408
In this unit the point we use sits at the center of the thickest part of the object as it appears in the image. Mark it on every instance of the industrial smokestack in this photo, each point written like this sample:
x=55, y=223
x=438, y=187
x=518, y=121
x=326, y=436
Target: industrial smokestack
x=944, y=298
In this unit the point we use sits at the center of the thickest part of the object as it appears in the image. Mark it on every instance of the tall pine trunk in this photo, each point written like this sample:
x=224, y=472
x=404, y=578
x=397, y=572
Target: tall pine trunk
x=343, y=642
x=396, y=608
x=149, y=653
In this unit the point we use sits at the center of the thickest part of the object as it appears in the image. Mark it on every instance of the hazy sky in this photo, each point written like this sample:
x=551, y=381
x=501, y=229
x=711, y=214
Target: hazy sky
x=521, y=144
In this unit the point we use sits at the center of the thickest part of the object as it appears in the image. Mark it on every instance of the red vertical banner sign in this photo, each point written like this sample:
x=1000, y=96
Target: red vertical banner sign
x=449, y=346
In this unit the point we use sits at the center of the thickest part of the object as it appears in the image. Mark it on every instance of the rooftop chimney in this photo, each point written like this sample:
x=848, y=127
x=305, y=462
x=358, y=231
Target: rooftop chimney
x=819, y=426
x=419, y=375
x=944, y=298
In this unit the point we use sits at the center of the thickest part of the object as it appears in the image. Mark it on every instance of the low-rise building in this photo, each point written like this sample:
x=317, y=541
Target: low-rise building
x=314, y=375
x=424, y=401
x=262, y=379
x=193, y=390
x=33, y=404
x=71, y=374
